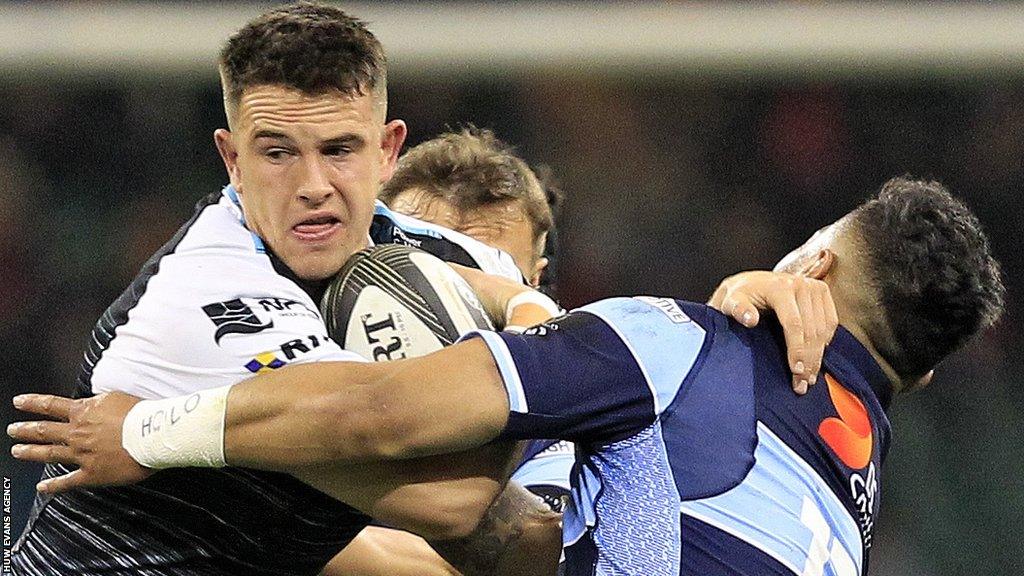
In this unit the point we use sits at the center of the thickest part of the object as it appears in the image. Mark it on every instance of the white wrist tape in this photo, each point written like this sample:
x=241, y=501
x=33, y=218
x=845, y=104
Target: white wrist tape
x=531, y=297
x=178, y=432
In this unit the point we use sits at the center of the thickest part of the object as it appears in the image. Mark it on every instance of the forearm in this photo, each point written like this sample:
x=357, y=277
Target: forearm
x=299, y=416
x=334, y=412
x=439, y=497
x=519, y=535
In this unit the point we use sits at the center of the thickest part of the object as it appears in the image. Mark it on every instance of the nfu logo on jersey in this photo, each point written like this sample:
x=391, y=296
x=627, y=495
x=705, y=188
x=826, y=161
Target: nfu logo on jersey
x=252, y=315
x=235, y=317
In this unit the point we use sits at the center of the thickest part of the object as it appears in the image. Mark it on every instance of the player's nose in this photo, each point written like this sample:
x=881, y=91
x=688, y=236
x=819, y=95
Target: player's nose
x=315, y=186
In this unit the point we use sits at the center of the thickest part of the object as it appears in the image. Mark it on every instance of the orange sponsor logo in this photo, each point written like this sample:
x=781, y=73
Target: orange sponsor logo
x=849, y=435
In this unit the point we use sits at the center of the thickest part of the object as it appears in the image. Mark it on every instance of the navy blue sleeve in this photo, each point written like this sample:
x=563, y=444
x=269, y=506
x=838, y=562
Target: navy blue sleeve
x=599, y=374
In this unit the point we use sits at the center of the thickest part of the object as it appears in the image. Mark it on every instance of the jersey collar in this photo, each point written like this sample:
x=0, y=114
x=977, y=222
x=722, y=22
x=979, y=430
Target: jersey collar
x=844, y=344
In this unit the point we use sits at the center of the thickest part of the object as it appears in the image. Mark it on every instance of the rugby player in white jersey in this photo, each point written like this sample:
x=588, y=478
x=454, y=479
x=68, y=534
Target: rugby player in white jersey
x=234, y=293
x=472, y=182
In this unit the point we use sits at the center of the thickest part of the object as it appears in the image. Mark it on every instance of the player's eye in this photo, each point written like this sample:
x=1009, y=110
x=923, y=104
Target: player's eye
x=337, y=151
x=276, y=154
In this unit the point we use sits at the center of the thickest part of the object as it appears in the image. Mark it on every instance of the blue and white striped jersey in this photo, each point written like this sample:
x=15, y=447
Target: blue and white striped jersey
x=694, y=455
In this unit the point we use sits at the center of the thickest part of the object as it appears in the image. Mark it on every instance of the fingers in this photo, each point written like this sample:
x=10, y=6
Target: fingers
x=50, y=453
x=803, y=306
x=44, y=404
x=742, y=309
x=40, y=432
x=492, y=291
x=787, y=310
x=69, y=481
x=814, y=347
x=831, y=316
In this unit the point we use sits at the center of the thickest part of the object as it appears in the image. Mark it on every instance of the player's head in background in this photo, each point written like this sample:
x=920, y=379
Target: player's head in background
x=911, y=274
x=305, y=93
x=472, y=182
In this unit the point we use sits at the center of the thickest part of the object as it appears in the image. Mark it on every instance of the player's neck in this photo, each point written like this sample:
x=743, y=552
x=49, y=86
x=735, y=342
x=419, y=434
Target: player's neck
x=848, y=320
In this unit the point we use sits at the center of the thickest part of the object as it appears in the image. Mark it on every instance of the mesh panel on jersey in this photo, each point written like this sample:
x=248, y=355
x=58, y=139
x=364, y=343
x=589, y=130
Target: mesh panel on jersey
x=638, y=522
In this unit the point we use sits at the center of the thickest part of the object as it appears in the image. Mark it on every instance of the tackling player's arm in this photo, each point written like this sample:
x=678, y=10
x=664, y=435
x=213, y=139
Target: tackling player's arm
x=439, y=499
x=518, y=534
x=297, y=415
x=448, y=401
x=287, y=420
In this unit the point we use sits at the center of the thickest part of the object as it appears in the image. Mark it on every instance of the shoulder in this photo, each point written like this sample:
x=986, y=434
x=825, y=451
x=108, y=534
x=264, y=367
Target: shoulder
x=649, y=320
x=447, y=244
x=218, y=226
x=662, y=336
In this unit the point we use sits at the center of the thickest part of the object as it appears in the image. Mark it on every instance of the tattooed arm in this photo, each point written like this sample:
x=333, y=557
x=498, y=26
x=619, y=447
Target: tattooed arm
x=519, y=535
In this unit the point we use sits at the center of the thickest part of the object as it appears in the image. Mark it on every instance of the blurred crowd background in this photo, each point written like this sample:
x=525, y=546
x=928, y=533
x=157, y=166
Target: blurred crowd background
x=671, y=182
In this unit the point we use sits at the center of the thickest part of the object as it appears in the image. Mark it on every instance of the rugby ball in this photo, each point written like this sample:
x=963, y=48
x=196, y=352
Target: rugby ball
x=393, y=301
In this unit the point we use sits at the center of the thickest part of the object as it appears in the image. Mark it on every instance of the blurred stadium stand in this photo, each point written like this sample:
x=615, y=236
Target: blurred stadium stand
x=693, y=140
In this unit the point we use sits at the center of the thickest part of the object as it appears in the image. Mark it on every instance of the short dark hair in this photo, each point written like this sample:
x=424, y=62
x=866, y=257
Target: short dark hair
x=932, y=269
x=311, y=47
x=472, y=169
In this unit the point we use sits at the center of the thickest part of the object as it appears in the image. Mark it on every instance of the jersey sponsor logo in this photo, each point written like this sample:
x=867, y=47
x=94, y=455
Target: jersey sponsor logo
x=545, y=328
x=285, y=307
x=264, y=362
x=561, y=447
x=285, y=353
x=400, y=237
x=234, y=317
x=556, y=497
x=252, y=315
x=668, y=307
x=864, y=488
x=850, y=437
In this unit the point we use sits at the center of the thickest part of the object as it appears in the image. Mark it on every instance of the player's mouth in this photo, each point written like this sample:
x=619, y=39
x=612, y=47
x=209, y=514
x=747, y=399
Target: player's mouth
x=317, y=228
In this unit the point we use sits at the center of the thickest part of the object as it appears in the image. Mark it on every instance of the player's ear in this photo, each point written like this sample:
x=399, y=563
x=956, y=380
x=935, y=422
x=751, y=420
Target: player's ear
x=538, y=271
x=921, y=382
x=229, y=154
x=819, y=266
x=391, y=145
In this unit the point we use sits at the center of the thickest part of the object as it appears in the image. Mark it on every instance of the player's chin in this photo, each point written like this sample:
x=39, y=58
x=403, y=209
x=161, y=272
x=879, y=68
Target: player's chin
x=320, y=263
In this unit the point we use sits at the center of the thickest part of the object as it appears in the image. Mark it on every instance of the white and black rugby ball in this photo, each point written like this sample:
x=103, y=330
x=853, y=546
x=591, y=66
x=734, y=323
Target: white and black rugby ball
x=393, y=301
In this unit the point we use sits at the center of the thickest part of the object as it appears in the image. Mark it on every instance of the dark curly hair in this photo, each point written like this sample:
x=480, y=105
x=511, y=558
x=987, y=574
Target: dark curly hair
x=933, y=272
x=312, y=47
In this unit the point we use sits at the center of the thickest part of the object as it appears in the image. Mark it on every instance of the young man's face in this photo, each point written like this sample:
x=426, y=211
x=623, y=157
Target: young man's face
x=307, y=170
x=505, y=226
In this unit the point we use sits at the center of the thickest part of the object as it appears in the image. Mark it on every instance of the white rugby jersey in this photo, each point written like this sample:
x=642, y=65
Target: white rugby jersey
x=212, y=307
x=214, y=312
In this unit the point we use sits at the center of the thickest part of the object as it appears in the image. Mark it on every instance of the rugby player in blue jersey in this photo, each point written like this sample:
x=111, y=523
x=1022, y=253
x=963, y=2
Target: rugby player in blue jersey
x=695, y=456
